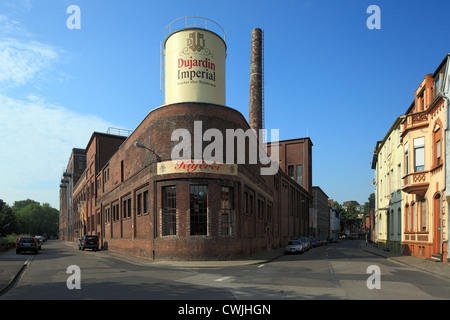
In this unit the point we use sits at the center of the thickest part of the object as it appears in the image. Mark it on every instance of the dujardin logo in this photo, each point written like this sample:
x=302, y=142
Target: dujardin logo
x=196, y=41
x=196, y=44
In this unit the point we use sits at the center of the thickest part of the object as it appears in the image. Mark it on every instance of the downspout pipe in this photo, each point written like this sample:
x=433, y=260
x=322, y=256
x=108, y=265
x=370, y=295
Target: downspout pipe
x=443, y=92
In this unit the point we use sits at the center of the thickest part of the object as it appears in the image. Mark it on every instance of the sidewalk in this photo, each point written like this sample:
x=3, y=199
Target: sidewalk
x=11, y=265
x=432, y=267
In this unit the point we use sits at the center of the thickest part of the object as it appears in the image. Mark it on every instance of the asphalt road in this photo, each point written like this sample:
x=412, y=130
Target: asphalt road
x=334, y=272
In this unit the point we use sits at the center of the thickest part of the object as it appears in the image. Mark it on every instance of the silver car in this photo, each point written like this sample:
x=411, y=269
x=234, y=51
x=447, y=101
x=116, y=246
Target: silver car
x=294, y=246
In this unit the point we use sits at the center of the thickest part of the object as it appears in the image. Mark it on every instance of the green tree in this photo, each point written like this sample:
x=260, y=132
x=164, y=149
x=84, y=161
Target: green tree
x=8, y=221
x=34, y=218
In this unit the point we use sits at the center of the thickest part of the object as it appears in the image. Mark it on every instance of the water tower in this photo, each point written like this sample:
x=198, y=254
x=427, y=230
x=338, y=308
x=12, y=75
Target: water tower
x=194, y=61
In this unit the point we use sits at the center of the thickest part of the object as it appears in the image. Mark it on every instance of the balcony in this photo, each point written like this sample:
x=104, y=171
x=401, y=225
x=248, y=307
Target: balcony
x=416, y=182
x=415, y=120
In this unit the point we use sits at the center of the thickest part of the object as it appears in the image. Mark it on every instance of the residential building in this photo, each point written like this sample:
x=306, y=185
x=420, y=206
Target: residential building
x=357, y=206
x=388, y=189
x=441, y=93
x=423, y=173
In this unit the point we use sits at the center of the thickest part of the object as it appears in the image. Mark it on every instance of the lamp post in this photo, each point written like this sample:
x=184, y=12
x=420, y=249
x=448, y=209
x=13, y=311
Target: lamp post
x=153, y=223
x=140, y=145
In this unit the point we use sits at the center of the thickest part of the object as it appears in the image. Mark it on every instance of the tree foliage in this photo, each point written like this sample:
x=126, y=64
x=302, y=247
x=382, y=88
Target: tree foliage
x=8, y=221
x=29, y=217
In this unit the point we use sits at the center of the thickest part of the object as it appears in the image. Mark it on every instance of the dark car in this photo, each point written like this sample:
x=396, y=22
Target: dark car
x=39, y=240
x=27, y=244
x=88, y=242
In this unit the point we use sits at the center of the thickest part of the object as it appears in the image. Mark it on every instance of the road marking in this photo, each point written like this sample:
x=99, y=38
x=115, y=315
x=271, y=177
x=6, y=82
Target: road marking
x=222, y=279
x=330, y=268
x=261, y=265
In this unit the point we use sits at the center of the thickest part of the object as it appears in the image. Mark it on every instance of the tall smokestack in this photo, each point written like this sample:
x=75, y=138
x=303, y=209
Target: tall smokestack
x=256, y=95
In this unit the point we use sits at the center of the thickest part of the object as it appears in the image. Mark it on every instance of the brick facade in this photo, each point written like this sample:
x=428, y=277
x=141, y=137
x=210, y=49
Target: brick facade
x=123, y=199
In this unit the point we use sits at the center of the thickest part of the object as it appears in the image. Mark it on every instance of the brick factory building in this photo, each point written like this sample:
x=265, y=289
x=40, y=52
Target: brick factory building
x=138, y=199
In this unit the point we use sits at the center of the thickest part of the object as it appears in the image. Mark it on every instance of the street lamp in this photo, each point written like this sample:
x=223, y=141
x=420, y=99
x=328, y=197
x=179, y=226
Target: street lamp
x=140, y=145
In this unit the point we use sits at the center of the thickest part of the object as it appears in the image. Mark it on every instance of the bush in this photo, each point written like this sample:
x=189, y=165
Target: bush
x=9, y=239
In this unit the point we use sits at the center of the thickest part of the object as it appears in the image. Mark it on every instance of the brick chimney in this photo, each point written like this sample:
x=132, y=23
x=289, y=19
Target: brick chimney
x=255, y=103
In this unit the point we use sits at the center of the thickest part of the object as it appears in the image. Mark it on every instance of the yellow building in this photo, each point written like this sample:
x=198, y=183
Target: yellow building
x=388, y=194
x=424, y=232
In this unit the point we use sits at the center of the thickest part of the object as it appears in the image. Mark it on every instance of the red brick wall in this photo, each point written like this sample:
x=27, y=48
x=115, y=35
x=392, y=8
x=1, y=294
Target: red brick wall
x=133, y=170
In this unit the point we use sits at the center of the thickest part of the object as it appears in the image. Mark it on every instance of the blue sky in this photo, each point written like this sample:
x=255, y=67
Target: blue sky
x=327, y=76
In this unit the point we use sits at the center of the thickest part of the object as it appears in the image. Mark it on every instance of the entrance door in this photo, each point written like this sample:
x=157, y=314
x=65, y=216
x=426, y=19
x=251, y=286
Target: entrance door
x=437, y=224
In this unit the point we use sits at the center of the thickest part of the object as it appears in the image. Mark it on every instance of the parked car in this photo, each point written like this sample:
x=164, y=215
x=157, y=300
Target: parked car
x=39, y=239
x=306, y=241
x=333, y=240
x=294, y=246
x=27, y=244
x=88, y=242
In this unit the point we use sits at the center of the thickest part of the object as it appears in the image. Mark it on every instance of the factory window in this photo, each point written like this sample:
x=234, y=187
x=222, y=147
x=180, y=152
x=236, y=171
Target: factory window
x=299, y=174
x=246, y=202
x=260, y=209
x=291, y=172
x=126, y=208
x=141, y=201
x=269, y=212
x=121, y=171
x=199, y=212
x=107, y=215
x=115, y=212
x=227, y=211
x=106, y=175
x=145, y=202
x=169, y=211
x=139, y=204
